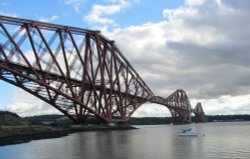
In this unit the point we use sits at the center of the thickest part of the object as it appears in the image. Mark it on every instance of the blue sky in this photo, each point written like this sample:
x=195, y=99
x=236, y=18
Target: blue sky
x=72, y=12
x=201, y=46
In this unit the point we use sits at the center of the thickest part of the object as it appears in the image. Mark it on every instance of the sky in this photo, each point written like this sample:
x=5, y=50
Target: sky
x=200, y=46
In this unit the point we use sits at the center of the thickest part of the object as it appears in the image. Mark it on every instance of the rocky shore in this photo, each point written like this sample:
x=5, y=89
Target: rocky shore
x=15, y=135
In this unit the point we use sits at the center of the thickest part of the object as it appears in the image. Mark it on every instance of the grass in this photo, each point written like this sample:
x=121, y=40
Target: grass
x=12, y=119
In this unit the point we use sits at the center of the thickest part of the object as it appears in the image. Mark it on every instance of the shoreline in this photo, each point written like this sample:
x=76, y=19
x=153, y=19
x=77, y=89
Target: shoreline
x=61, y=132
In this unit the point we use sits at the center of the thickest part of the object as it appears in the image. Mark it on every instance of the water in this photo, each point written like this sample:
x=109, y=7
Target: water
x=215, y=141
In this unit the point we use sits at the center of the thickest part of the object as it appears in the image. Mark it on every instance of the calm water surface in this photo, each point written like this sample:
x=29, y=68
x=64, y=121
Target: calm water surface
x=215, y=141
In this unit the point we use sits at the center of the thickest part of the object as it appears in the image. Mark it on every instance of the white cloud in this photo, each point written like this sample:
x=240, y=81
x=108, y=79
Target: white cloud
x=8, y=14
x=226, y=104
x=75, y=3
x=25, y=104
x=151, y=110
x=50, y=19
x=54, y=17
x=99, y=12
x=195, y=2
x=202, y=47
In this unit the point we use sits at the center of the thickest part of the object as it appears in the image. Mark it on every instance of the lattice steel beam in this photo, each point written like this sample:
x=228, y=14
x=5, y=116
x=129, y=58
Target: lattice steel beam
x=78, y=71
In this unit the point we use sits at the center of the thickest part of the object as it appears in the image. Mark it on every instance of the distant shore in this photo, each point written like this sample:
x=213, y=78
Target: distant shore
x=16, y=135
x=15, y=129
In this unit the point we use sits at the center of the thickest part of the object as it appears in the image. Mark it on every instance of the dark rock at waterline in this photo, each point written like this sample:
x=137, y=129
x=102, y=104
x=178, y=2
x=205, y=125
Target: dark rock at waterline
x=23, y=136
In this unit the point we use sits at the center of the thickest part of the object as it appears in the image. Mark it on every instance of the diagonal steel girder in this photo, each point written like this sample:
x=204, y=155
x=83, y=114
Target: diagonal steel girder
x=80, y=72
x=180, y=107
x=178, y=104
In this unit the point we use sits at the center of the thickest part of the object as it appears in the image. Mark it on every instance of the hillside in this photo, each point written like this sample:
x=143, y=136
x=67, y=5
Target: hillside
x=12, y=119
x=14, y=129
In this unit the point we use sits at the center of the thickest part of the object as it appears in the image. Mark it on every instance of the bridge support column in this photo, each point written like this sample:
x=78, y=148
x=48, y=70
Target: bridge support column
x=180, y=117
x=199, y=113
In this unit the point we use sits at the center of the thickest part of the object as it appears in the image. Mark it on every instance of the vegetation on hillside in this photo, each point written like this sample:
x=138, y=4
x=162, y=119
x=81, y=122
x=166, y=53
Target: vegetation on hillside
x=12, y=119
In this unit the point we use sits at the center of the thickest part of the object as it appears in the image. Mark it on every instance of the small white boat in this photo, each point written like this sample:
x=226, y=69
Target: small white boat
x=187, y=132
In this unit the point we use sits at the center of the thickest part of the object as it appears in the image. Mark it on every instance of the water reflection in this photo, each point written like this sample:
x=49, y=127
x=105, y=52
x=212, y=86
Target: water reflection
x=221, y=140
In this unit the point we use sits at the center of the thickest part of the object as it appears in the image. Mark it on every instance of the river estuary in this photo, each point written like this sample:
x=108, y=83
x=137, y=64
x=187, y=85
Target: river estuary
x=229, y=140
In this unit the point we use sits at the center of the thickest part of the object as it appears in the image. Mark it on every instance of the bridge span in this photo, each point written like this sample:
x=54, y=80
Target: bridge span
x=80, y=72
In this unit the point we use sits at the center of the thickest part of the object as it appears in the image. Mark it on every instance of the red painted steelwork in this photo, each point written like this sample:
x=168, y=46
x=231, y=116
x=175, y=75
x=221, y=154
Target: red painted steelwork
x=199, y=113
x=178, y=105
x=79, y=72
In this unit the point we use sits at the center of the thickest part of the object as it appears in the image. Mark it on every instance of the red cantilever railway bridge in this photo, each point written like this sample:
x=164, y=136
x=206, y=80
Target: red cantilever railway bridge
x=79, y=72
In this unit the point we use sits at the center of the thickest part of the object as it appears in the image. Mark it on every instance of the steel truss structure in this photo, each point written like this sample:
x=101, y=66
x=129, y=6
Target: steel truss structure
x=180, y=108
x=79, y=72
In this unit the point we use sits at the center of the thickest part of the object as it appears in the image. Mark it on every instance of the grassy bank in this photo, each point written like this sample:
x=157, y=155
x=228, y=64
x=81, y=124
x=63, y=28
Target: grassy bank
x=15, y=129
x=22, y=134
